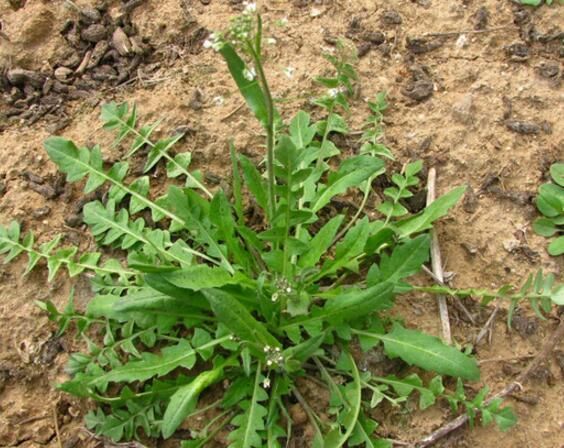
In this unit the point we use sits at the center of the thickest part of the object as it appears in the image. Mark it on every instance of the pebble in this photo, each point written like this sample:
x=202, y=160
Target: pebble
x=462, y=110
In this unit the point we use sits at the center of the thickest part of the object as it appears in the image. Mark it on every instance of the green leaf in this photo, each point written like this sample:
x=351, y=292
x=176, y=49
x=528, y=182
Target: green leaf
x=436, y=210
x=199, y=277
x=557, y=173
x=65, y=153
x=252, y=421
x=406, y=260
x=255, y=182
x=301, y=132
x=427, y=352
x=545, y=227
x=550, y=200
x=321, y=242
x=372, y=167
x=335, y=438
x=179, y=202
x=185, y=399
x=251, y=91
x=180, y=355
x=238, y=319
x=556, y=247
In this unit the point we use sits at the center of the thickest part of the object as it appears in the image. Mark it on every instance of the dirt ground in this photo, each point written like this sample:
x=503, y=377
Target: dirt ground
x=481, y=101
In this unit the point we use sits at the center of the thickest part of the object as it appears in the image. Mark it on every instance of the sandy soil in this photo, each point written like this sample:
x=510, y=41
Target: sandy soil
x=458, y=101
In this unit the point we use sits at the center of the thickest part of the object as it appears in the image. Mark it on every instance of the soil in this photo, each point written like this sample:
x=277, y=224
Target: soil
x=475, y=90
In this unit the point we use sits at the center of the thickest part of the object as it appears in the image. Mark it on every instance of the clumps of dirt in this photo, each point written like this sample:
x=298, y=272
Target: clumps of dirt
x=101, y=51
x=364, y=38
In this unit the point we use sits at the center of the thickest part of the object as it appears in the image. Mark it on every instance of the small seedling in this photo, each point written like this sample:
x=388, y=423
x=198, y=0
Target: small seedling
x=211, y=314
x=550, y=202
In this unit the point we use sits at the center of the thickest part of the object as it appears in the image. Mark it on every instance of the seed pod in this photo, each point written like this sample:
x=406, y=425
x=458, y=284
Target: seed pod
x=121, y=42
x=94, y=33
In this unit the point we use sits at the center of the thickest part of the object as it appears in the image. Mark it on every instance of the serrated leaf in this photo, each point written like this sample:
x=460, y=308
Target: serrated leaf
x=406, y=260
x=252, y=421
x=436, y=210
x=180, y=355
x=429, y=353
x=201, y=276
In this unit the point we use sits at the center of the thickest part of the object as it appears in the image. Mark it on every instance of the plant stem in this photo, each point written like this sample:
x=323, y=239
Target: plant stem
x=257, y=59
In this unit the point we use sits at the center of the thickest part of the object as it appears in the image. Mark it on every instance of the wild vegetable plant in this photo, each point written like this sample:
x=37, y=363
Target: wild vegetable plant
x=550, y=202
x=213, y=316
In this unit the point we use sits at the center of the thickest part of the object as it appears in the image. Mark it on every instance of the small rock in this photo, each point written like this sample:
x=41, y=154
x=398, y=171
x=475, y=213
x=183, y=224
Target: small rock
x=41, y=212
x=121, y=42
x=63, y=73
x=73, y=220
x=374, y=37
x=518, y=52
x=481, y=18
x=420, y=45
x=90, y=15
x=523, y=127
x=462, y=41
x=97, y=54
x=94, y=33
x=196, y=100
x=462, y=109
x=391, y=17
x=45, y=190
x=470, y=201
x=20, y=76
x=549, y=69
x=363, y=48
x=419, y=90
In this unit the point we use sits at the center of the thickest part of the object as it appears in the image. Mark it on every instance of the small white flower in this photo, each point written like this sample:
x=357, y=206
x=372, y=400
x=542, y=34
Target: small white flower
x=250, y=7
x=213, y=41
x=288, y=290
x=280, y=359
x=333, y=93
x=289, y=72
x=266, y=348
x=266, y=383
x=249, y=74
x=274, y=297
x=269, y=362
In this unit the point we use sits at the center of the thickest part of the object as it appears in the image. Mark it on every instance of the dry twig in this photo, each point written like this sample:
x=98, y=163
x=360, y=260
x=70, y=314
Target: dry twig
x=436, y=260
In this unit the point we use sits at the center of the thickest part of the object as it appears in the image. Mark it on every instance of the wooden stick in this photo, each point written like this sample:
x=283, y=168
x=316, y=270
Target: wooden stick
x=57, y=431
x=436, y=260
x=459, y=421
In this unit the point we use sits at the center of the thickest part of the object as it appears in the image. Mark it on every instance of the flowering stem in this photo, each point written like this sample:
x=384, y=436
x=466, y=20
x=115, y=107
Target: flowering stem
x=255, y=54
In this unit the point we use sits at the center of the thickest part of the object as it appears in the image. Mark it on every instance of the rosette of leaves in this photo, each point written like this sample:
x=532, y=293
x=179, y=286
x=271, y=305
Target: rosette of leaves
x=550, y=202
x=210, y=306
